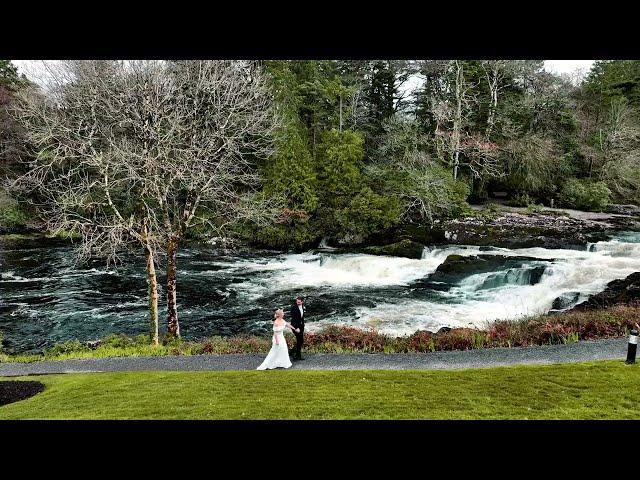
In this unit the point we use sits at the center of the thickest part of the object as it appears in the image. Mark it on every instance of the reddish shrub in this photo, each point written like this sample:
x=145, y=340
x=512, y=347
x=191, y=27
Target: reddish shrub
x=456, y=339
x=349, y=338
x=420, y=341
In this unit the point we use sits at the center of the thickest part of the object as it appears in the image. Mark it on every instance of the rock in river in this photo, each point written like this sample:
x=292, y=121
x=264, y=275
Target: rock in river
x=404, y=248
x=624, y=291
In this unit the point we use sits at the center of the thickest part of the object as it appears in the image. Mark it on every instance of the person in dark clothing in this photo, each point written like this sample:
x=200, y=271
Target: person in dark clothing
x=297, y=322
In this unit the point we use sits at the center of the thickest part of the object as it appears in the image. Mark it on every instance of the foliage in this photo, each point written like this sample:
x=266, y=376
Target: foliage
x=586, y=194
x=494, y=208
x=350, y=137
x=404, y=172
x=521, y=200
x=533, y=165
x=348, y=206
x=533, y=208
x=366, y=213
x=12, y=149
x=611, y=79
x=66, y=348
x=9, y=77
x=12, y=217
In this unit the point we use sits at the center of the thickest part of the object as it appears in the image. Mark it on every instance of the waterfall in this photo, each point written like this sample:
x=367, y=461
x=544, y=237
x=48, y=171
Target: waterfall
x=527, y=275
x=508, y=294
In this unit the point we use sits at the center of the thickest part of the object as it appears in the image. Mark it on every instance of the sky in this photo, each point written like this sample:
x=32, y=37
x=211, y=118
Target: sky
x=567, y=66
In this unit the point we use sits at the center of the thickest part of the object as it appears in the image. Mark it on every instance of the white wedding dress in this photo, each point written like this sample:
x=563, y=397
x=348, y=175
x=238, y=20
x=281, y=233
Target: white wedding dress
x=279, y=354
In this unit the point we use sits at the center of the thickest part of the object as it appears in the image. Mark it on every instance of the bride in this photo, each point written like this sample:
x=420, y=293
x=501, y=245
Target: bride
x=279, y=354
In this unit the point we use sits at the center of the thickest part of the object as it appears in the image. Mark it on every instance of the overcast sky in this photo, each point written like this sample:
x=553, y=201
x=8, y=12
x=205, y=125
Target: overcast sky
x=567, y=66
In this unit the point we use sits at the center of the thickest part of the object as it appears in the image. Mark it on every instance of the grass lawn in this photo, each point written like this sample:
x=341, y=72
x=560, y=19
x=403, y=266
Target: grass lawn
x=597, y=390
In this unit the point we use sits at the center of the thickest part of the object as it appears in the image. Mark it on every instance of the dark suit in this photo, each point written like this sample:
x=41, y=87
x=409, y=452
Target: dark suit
x=297, y=321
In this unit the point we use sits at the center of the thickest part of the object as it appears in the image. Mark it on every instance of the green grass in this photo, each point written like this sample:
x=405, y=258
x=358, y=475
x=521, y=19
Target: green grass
x=19, y=237
x=16, y=237
x=597, y=390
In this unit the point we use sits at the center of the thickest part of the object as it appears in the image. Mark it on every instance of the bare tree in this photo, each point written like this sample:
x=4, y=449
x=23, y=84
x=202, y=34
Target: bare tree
x=136, y=153
x=453, y=138
x=618, y=150
x=224, y=122
x=461, y=88
x=89, y=171
x=496, y=72
x=452, y=112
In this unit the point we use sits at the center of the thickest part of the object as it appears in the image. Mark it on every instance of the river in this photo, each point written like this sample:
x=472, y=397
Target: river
x=45, y=298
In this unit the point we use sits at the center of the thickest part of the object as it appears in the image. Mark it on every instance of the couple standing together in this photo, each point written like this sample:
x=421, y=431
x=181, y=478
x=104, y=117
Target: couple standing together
x=278, y=356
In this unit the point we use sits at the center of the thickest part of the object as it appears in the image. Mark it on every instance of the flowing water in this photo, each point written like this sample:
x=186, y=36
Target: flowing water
x=45, y=298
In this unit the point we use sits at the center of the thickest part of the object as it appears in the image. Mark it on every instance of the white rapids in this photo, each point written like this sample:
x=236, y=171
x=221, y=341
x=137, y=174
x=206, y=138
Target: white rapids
x=469, y=303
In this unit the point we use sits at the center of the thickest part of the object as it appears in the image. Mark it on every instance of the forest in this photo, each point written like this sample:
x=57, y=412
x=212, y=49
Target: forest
x=357, y=154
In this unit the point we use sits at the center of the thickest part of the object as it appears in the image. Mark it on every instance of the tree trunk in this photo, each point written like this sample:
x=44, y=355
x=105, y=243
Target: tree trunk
x=457, y=122
x=153, y=297
x=456, y=162
x=492, y=111
x=173, y=327
x=341, y=112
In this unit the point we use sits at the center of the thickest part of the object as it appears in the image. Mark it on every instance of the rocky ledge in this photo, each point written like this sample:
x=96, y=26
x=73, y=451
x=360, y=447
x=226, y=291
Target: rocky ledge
x=504, y=270
x=518, y=230
x=404, y=248
x=508, y=227
x=625, y=291
x=513, y=230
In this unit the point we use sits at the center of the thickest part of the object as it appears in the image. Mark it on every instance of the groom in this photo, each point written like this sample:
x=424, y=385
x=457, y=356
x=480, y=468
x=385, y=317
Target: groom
x=297, y=322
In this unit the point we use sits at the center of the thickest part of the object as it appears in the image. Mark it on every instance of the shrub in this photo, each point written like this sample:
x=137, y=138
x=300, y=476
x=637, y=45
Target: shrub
x=348, y=338
x=249, y=344
x=298, y=234
x=12, y=217
x=533, y=208
x=494, y=207
x=70, y=346
x=426, y=191
x=170, y=341
x=368, y=212
x=521, y=200
x=420, y=341
x=1, y=340
x=116, y=341
x=456, y=339
x=585, y=195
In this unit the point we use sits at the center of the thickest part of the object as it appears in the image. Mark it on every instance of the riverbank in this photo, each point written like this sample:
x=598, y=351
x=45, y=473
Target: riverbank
x=596, y=390
x=516, y=227
x=493, y=224
x=570, y=327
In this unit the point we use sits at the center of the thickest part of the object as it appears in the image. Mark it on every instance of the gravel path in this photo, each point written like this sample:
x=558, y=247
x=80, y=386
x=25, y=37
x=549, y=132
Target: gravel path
x=491, y=357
